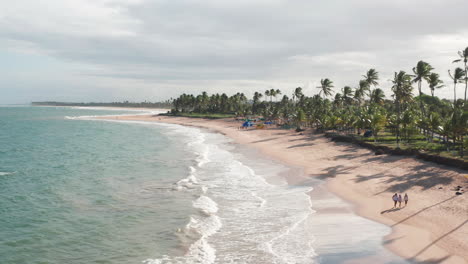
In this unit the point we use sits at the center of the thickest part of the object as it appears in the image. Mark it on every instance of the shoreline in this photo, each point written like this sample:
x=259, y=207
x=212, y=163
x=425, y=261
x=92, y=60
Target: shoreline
x=432, y=229
x=110, y=108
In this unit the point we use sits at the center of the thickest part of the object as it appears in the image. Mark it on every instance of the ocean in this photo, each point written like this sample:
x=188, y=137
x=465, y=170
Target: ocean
x=74, y=189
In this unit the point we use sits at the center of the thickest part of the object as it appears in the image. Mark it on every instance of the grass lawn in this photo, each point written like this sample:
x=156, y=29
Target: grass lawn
x=416, y=141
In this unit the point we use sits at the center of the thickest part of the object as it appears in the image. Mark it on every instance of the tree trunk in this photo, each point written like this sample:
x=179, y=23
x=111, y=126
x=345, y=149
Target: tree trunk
x=454, y=92
x=461, y=145
x=398, y=125
x=466, y=79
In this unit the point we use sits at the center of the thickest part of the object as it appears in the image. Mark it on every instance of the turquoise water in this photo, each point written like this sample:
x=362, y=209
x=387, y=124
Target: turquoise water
x=74, y=189
x=77, y=191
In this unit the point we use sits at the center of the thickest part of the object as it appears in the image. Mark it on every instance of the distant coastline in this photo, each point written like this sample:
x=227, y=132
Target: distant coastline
x=125, y=104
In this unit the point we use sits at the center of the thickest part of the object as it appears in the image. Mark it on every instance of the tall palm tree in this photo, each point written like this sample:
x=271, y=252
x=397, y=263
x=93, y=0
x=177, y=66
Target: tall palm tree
x=325, y=87
x=272, y=94
x=338, y=99
x=464, y=56
x=457, y=76
x=297, y=95
x=402, y=92
x=277, y=92
x=421, y=72
x=267, y=93
x=377, y=120
x=377, y=96
x=371, y=78
x=256, y=102
x=347, y=94
x=361, y=91
x=434, y=82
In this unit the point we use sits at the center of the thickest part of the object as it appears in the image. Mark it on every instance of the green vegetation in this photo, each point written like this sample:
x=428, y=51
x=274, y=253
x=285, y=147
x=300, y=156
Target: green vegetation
x=400, y=120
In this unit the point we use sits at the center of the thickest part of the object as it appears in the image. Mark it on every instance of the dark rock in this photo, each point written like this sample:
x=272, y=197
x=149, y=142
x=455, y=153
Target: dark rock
x=458, y=193
x=440, y=188
x=379, y=152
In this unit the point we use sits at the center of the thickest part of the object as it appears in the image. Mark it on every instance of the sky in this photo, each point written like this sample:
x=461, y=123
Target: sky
x=137, y=50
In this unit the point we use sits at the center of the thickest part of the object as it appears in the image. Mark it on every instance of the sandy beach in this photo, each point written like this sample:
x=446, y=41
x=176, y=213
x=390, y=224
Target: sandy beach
x=433, y=228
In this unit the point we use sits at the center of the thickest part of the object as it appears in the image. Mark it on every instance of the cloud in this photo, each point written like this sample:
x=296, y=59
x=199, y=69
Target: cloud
x=196, y=44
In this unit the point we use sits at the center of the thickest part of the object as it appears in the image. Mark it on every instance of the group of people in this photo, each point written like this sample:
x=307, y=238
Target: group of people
x=398, y=199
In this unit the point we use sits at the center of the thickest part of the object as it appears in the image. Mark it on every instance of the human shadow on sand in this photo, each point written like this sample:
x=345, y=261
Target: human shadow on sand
x=393, y=209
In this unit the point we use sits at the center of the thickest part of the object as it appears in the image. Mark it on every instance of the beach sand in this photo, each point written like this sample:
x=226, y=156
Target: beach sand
x=433, y=228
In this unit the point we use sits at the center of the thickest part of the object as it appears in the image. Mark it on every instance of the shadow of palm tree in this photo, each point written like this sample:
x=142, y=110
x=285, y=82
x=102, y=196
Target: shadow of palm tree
x=430, y=261
x=301, y=145
x=438, y=239
x=426, y=180
x=389, y=241
x=332, y=172
x=265, y=140
x=422, y=210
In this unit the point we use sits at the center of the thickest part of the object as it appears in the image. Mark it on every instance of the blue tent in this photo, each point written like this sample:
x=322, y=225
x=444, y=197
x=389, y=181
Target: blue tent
x=247, y=124
x=368, y=133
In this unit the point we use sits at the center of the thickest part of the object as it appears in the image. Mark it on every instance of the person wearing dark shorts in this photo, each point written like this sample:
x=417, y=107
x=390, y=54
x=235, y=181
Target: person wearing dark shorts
x=395, y=199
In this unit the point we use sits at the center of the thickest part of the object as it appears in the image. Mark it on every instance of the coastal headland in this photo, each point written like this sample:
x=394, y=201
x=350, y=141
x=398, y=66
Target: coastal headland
x=432, y=228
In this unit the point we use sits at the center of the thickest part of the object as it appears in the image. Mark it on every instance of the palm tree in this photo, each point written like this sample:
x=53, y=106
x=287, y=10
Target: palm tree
x=267, y=93
x=377, y=96
x=377, y=120
x=464, y=56
x=434, y=122
x=277, y=92
x=297, y=95
x=434, y=82
x=456, y=77
x=459, y=124
x=338, y=100
x=325, y=87
x=272, y=94
x=361, y=91
x=402, y=92
x=408, y=120
x=347, y=95
x=371, y=78
x=421, y=72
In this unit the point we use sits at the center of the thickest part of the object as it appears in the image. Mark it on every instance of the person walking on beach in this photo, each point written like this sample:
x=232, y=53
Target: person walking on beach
x=395, y=199
x=399, y=199
x=406, y=199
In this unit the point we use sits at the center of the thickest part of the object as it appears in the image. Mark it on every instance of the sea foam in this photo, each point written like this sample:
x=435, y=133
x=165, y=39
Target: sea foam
x=242, y=218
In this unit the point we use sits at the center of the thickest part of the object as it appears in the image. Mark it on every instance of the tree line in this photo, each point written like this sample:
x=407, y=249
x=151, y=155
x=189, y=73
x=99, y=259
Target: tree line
x=410, y=110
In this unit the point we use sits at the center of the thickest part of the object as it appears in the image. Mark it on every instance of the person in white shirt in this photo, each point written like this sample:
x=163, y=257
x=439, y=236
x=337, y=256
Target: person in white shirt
x=395, y=199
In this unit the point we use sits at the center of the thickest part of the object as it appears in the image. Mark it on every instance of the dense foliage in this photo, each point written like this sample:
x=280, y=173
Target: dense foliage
x=402, y=116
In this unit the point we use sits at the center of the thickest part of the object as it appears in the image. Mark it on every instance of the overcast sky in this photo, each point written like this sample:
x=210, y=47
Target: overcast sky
x=106, y=50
